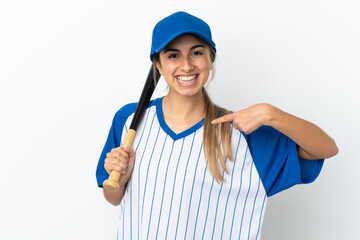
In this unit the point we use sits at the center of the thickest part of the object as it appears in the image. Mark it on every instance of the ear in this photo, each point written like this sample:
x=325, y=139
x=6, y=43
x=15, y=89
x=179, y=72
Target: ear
x=158, y=66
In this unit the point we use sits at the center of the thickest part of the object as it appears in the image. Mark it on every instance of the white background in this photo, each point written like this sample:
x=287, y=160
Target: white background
x=67, y=66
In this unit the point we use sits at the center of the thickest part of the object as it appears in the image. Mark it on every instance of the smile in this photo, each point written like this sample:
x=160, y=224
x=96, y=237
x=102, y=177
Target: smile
x=186, y=79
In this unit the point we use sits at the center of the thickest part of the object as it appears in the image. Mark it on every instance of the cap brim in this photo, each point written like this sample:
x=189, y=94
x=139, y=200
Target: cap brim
x=171, y=38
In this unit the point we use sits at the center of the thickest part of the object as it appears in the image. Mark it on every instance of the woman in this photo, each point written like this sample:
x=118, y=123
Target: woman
x=200, y=171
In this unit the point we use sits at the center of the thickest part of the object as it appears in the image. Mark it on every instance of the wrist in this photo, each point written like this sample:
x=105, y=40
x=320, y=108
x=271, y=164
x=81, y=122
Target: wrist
x=122, y=185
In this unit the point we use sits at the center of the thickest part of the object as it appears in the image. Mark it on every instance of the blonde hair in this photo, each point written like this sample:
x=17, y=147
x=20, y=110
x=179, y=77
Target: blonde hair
x=216, y=138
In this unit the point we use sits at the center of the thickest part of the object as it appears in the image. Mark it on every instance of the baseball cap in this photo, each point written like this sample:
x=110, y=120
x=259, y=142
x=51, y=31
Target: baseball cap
x=175, y=25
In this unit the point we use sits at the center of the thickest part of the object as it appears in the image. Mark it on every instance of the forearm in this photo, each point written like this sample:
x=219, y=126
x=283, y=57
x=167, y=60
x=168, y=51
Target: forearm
x=115, y=197
x=314, y=143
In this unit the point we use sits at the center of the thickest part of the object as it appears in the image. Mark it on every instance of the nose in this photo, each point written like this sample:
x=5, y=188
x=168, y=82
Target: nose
x=186, y=64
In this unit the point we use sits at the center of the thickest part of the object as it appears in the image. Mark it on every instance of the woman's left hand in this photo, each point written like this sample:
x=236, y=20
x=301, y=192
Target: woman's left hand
x=249, y=119
x=313, y=142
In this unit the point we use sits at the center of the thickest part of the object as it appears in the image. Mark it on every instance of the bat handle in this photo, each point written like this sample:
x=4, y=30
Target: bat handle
x=112, y=183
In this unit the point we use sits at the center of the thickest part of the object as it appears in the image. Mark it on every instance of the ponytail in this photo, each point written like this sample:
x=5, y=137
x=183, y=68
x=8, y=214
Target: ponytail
x=214, y=135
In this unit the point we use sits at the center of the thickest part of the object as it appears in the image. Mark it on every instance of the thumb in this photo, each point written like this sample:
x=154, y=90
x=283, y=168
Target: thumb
x=130, y=151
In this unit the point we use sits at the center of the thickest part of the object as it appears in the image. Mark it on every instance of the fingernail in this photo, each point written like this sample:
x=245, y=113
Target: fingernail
x=213, y=122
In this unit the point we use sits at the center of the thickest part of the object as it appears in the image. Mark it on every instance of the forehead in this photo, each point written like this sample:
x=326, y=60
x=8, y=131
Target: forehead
x=183, y=41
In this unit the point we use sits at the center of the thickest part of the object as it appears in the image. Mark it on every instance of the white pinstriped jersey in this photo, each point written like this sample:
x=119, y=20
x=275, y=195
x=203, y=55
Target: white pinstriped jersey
x=172, y=194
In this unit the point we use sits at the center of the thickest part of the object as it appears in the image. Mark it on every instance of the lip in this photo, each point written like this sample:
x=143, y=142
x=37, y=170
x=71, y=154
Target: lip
x=187, y=80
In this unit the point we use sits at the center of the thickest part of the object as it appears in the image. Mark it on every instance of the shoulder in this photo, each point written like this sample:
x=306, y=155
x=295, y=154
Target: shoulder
x=130, y=108
x=126, y=110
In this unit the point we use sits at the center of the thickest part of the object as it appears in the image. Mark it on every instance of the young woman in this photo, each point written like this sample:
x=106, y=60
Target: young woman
x=195, y=170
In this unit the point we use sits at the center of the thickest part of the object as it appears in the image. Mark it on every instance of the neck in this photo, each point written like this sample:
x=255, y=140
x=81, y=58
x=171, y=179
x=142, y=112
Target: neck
x=184, y=108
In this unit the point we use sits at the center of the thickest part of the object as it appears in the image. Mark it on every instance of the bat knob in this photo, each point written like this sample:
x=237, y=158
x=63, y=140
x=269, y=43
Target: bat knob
x=111, y=185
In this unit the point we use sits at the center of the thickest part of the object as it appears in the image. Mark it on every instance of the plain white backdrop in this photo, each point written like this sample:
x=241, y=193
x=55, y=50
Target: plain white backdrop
x=67, y=66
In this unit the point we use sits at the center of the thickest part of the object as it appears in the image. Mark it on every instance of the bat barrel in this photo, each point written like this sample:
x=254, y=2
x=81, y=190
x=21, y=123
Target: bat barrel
x=149, y=87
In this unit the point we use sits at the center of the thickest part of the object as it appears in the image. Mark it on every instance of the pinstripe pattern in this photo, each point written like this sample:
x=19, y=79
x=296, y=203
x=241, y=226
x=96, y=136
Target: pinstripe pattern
x=207, y=210
x=237, y=196
x=131, y=188
x=227, y=199
x=173, y=189
x=172, y=194
x=152, y=202
x=183, y=185
x=192, y=190
x=162, y=198
x=201, y=191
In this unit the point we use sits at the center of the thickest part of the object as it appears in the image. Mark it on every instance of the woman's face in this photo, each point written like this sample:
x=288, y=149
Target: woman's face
x=184, y=65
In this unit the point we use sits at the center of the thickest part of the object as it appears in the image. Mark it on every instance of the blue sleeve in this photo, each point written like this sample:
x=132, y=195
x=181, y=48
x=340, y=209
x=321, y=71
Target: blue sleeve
x=113, y=139
x=277, y=162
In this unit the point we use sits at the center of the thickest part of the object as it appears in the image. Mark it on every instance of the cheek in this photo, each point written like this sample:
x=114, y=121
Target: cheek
x=204, y=66
x=205, y=70
x=167, y=68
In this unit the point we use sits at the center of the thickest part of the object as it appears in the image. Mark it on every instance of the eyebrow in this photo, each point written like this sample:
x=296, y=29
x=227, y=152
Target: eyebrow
x=176, y=50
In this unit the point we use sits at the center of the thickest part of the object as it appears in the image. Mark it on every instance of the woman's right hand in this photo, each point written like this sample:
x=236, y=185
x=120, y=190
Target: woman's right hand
x=121, y=160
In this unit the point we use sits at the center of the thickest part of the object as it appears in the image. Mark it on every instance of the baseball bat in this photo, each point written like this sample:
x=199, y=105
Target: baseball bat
x=112, y=183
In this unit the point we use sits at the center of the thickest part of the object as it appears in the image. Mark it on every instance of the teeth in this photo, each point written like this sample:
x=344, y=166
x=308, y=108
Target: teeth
x=186, y=78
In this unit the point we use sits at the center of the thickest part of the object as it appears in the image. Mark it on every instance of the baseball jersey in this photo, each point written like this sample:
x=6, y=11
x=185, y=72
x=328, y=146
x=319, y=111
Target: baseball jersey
x=172, y=193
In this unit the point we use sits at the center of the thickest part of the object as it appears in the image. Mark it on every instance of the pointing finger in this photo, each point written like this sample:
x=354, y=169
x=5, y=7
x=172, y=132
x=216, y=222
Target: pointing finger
x=225, y=118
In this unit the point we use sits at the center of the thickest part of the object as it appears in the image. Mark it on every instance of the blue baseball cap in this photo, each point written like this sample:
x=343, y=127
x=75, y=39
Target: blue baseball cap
x=175, y=25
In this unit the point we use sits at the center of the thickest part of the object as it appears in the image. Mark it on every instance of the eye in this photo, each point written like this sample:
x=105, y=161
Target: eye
x=173, y=55
x=197, y=53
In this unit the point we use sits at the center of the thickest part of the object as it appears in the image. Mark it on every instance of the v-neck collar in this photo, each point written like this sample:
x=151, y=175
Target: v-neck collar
x=165, y=127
